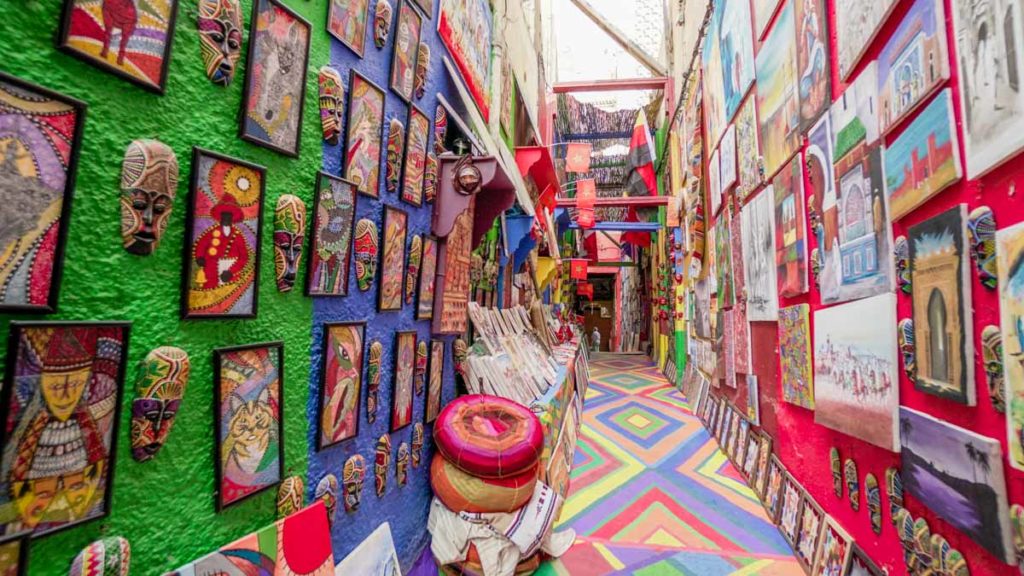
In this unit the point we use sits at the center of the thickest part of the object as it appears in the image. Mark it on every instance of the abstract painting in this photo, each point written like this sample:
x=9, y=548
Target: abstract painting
x=758, y=226
x=275, y=83
x=465, y=29
x=63, y=380
x=856, y=384
x=415, y=157
x=331, y=243
x=390, y=296
x=790, y=229
x=346, y=21
x=958, y=474
x=407, y=47
x=374, y=556
x=435, y=380
x=855, y=113
x=857, y=22
x=941, y=294
x=341, y=382
x=989, y=38
x=364, y=134
x=727, y=160
x=221, y=268
x=129, y=39
x=812, y=60
x=913, y=63
x=404, y=376
x=747, y=149
x=795, y=356
x=778, y=95
x=833, y=551
x=1010, y=266
x=38, y=159
x=428, y=280
x=924, y=159
x=248, y=420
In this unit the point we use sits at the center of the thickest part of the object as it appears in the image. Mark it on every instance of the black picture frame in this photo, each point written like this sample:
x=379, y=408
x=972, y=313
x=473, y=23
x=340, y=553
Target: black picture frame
x=393, y=427
x=808, y=504
x=186, y=262
x=247, y=85
x=787, y=482
x=14, y=336
x=218, y=353
x=419, y=315
x=426, y=7
x=23, y=540
x=361, y=50
x=388, y=211
x=861, y=555
x=68, y=196
x=414, y=110
x=381, y=144
x=63, y=46
x=766, y=501
x=322, y=177
x=325, y=343
x=407, y=98
x=440, y=394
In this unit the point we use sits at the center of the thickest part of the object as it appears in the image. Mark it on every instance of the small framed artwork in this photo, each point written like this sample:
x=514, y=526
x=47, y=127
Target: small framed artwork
x=63, y=378
x=773, y=489
x=364, y=134
x=221, y=263
x=812, y=518
x=415, y=157
x=392, y=268
x=428, y=279
x=434, y=380
x=789, y=516
x=275, y=83
x=407, y=47
x=42, y=174
x=341, y=382
x=834, y=550
x=346, y=21
x=750, y=455
x=14, y=554
x=859, y=564
x=334, y=216
x=764, y=455
x=404, y=376
x=129, y=41
x=248, y=420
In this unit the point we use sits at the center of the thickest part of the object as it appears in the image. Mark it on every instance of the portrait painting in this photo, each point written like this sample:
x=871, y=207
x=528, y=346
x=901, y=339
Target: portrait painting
x=435, y=380
x=913, y=63
x=778, y=95
x=275, y=82
x=857, y=23
x=332, y=229
x=38, y=160
x=407, y=46
x=796, y=375
x=428, y=280
x=248, y=420
x=941, y=295
x=833, y=550
x=924, y=159
x=341, y=382
x=465, y=28
x=413, y=171
x=61, y=402
x=129, y=39
x=856, y=384
x=364, y=134
x=812, y=60
x=220, y=272
x=811, y=519
x=346, y=21
x=958, y=475
x=758, y=239
x=1010, y=269
x=748, y=177
x=790, y=229
x=855, y=113
x=404, y=376
x=391, y=295
x=14, y=554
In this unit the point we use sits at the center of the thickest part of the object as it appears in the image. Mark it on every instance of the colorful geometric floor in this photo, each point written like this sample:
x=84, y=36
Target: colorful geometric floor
x=651, y=493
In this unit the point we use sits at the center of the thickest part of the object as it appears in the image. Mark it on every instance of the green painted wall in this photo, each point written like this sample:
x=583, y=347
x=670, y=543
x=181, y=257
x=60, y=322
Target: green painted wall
x=165, y=507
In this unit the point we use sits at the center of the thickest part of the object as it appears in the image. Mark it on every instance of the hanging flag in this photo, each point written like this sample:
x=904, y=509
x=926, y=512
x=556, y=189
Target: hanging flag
x=641, y=180
x=590, y=245
x=547, y=200
x=638, y=239
x=585, y=290
x=577, y=157
x=586, y=194
x=578, y=269
x=585, y=218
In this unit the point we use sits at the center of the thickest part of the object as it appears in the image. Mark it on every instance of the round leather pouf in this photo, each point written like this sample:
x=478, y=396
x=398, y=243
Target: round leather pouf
x=461, y=492
x=489, y=437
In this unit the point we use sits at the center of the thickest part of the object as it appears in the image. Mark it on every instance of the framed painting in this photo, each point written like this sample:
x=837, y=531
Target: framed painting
x=427, y=6
x=14, y=554
x=727, y=60
x=773, y=494
x=812, y=518
x=413, y=171
x=131, y=40
x=750, y=456
x=790, y=229
x=748, y=150
x=392, y=268
x=334, y=217
x=347, y=21
x=1010, y=269
x=248, y=420
x=777, y=94
x=833, y=550
x=860, y=564
x=727, y=160
x=796, y=376
x=723, y=261
x=404, y=377
x=465, y=28
x=364, y=134
x=941, y=295
x=407, y=47
x=435, y=381
x=341, y=382
x=758, y=239
x=813, y=60
x=820, y=177
x=789, y=515
x=275, y=83
x=855, y=113
x=62, y=378
x=764, y=455
x=913, y=63
x=428, y=280
x=857, y=23
x=221, y=262
x=39, y=162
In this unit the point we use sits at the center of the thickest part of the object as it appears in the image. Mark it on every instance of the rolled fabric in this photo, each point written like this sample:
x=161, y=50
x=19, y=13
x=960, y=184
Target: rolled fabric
x=488, y=436
x=462, y=492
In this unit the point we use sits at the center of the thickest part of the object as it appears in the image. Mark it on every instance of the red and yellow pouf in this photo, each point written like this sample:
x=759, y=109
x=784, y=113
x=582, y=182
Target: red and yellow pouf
x=489, y=437
x=462, y=492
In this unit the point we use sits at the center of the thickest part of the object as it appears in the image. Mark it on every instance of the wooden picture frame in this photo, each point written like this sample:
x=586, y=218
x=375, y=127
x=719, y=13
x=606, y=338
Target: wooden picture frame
x=189, y=271
x=790, y=485
x=358, y=364
x=400, y=391
x=78, y=108
x=356, y=46
x=22, y=540
x=427, y=288
x=775, y=469
x=764, y=455
x=435, y=381
x=858, y=555
x=317, y=278
x=832, y=529
x=808, y=505
x=277, y=349
x=414, y=160
x=367, y=145
x=386, y=301
x=405, y=15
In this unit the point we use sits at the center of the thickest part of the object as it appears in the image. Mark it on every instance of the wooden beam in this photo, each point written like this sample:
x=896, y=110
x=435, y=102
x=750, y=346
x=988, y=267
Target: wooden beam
x=624, y=84
x=635, y=201
x=650, y=62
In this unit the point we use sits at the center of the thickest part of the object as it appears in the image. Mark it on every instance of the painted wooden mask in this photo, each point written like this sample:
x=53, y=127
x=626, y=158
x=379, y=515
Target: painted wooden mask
x=992, y=356
x=901, y=249
x=332, y=104
x=373, y=380
x=382, y=460
x=894, y=490
x=837, y=472
x=159, y=388
x=440, y=129
x=149, y=183
x=402, y=464
x=327, y=491
x=430, y=178
x=412, y=272
x=816, y=267
x=460, y=352
x=422, y=67
x=382, y=23
x=905, y=336
x=367, y=245
x=352, y=476
x=106, y=557
x=290, y=495
x=421, y=366
x=852, y=483
x=981, y=226
x=220, y=38
x=396, y=138
x=289, y=232
x=417, y=444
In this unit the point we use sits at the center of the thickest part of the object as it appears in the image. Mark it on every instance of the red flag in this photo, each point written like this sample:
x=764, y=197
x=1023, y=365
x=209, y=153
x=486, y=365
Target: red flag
x=641, y=180
x=585, y=218
x=547, y=199
x=590, y=245
x=577, y=157
x=586, y=194
x=585, y=290
x=639, y=239
x=578, y=269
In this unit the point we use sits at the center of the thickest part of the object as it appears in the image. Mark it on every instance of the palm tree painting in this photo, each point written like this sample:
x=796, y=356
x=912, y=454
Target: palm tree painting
x=959, y=475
